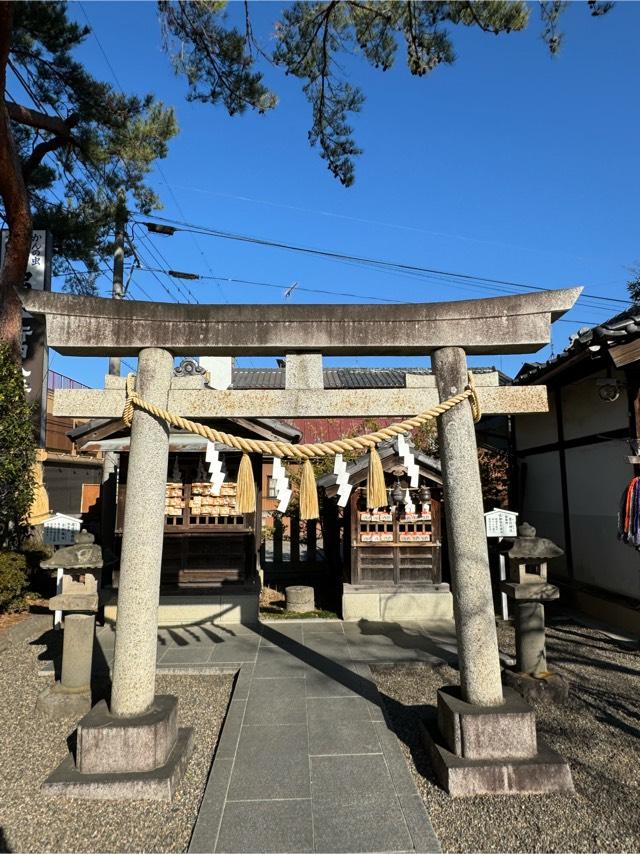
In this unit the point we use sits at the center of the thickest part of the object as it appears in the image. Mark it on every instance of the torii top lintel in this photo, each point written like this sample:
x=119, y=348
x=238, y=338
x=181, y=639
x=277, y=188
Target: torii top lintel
x=91, y=326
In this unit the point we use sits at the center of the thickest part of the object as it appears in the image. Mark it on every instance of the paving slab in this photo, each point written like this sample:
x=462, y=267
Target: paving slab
x=271, y=763
x=341, y=737
x=185, y=655
x=375, y=823
x=265, y=826
x=239, y=649
x=276, y=701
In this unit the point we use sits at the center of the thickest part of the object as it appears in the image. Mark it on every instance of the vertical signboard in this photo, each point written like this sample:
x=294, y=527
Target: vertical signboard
x=34, y=349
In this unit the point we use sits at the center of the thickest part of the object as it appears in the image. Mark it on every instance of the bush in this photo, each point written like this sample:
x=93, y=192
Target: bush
x=41, y=581
x=17, y=452
x=13, y=580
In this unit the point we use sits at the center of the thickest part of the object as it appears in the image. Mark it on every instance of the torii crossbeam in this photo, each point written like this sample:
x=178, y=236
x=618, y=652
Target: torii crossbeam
x=90, y=326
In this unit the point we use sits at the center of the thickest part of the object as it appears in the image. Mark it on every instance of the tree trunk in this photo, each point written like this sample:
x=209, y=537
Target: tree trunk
x=16, y=204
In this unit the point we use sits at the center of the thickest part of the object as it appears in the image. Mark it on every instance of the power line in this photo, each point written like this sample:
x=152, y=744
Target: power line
x=376, y=222
x=157, y=255
x=136, y=251
x=193, y=237
x=232, y=280
x=102, y=50
x=394, y=266
x=324, y=291
x=120, y=87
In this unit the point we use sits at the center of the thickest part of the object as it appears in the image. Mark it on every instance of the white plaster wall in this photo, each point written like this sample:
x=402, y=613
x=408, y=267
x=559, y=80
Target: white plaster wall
x=596, y=476
x=584, y=413
x=542, y=505
x=536, y=429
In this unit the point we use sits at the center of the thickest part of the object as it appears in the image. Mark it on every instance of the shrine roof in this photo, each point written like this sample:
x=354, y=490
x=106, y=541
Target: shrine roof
x=100, y=433
x=390, y=459
x=619, y=329
x=339, y=378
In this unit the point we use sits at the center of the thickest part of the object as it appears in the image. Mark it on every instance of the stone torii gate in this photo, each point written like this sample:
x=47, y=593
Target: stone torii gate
x=486, y=739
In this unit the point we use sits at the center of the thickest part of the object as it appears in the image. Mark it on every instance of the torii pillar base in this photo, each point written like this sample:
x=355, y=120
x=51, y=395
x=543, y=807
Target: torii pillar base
x=139, y=758
x=491, y=750
x=483, y=739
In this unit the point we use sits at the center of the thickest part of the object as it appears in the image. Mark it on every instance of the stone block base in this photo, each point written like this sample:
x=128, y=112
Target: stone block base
x=173, y=611
x=111, y=745
x=461, y=777
x=159, y=784
x=392, y=604
x=501, y=732
x=55, y=702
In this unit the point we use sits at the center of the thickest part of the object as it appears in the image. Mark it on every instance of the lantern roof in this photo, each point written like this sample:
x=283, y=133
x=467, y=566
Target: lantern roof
x=528, y=547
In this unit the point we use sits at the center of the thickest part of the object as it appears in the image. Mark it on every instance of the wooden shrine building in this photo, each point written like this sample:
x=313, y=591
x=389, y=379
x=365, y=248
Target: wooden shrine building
x=209, y=549
x=390, y=556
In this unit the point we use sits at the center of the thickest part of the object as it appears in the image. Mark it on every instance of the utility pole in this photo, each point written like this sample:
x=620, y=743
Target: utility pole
x=118, y=265
x=108, y=489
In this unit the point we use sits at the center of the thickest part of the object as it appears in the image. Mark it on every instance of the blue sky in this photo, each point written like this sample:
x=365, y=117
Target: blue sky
x=508, y=164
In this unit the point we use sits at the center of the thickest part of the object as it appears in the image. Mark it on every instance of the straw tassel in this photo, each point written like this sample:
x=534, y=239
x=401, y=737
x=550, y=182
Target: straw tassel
x=376, y=489
x=246, y=490
x=308, y=493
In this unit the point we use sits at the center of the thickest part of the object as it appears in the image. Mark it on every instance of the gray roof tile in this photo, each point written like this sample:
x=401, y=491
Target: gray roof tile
x=266, y=378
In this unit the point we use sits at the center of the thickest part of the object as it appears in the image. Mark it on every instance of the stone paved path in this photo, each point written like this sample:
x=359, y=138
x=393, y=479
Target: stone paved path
x=305, y=761
x=210, y=647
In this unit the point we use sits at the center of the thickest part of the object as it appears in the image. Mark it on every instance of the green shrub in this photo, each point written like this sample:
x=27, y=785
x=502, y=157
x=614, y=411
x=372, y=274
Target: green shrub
x=13, y=580
x=17, y=452
x=41, y=581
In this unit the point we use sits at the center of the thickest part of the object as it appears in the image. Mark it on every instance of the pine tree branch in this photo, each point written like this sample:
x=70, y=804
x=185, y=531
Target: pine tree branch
x=40, y=152
x=61, y=128
x=41, y=121
x=485, y=28
x=322, y=18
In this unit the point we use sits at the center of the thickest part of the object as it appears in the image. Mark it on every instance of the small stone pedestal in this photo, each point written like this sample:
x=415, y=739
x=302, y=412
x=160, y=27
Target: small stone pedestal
x=126, y=758
x=80, y=565
x=531, y=655
x=478, y=750
x=72, y=694
x=299, y=599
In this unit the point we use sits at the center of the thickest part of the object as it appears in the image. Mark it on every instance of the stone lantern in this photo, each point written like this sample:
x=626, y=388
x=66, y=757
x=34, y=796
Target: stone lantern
x=528, y=588
x=80, y=565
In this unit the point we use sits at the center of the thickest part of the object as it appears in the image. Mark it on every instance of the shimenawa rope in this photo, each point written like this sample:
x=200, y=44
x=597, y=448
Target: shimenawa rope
x=299, y=452
x=245, y=493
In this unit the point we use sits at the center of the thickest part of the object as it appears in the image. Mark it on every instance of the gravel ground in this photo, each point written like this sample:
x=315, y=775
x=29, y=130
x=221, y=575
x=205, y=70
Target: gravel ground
x=31, y=747
x=597, y=731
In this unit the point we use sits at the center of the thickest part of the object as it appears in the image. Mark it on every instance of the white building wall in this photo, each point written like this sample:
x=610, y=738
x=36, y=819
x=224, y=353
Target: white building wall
x=596, y=477
x=597, y=473
x=584, y=413
x=542, y=505
x=537, y=428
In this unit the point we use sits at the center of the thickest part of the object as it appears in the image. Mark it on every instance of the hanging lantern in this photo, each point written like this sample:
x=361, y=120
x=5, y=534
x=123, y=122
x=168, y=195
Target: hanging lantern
x=425, y=494
x=398, y=493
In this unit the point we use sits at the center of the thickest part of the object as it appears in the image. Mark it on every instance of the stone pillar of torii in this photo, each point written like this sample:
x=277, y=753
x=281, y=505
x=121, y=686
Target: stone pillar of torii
x=485, y=736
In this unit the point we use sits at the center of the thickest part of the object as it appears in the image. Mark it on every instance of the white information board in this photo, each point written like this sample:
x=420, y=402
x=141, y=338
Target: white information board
x=501, y=523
